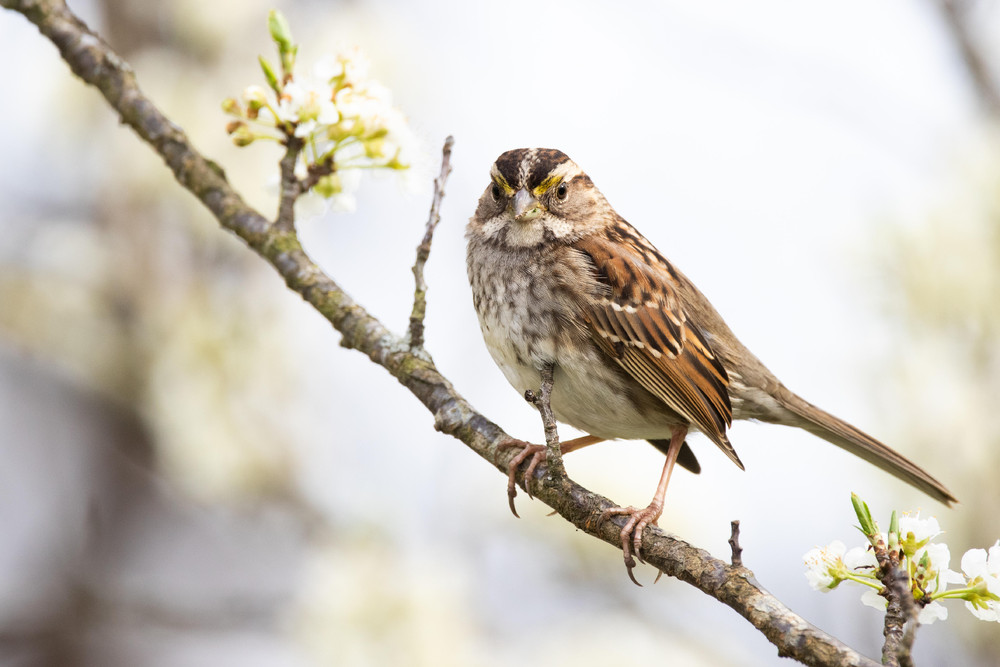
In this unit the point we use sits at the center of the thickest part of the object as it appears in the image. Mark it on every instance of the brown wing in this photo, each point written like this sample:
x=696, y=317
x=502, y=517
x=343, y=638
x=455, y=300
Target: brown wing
x=640, y=323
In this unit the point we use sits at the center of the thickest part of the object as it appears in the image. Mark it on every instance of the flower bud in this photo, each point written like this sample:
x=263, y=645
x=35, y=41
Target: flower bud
x=231, y=107
x=280, y=31
x=243, y=136
x=864, y=515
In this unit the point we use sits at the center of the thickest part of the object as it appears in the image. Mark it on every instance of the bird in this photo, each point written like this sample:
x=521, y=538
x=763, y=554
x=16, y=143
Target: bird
x=560, y=280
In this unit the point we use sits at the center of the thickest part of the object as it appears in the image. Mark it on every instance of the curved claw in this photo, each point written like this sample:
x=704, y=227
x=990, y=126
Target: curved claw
x=629, y=567
x=537, y=454
x=631, y=532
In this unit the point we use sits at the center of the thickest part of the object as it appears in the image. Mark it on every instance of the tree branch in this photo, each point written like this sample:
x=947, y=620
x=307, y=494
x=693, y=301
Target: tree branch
x=955, y=18
x=97, y=64
x=424, y=250
x=290, y=186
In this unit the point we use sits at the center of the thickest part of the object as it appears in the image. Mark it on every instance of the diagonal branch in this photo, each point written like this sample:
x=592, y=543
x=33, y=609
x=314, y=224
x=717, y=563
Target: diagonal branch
x=97, y=64
x=955, y=14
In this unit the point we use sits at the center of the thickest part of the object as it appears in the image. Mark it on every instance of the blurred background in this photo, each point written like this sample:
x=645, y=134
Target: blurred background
x=192, y=472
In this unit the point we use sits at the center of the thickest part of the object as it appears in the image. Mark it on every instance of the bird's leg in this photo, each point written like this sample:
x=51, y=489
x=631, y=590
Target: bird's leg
x=536, y=454
x=631, y=533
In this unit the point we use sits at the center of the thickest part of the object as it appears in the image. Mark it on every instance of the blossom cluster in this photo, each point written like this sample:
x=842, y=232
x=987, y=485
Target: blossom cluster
x=909, y=542
x=343, y=119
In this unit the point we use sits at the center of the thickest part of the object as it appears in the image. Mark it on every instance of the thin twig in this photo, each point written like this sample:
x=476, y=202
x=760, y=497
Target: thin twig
x=424, y=250
x=734, y=544
x=95, y=62
x=955, y=13
x=553, y=455
x=553, y=452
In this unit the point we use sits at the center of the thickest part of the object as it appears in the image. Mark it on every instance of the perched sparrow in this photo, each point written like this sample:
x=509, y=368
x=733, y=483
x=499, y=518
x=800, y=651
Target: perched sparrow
x=559, y=278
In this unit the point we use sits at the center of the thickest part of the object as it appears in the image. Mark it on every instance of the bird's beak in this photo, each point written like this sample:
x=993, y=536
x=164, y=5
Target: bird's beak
x=526, y=207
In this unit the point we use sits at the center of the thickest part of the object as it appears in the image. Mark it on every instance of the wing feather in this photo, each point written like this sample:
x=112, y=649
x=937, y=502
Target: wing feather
x=637, y=319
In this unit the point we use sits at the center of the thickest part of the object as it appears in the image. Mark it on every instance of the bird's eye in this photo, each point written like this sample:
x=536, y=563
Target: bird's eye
x=495, y=191
x=561, y=191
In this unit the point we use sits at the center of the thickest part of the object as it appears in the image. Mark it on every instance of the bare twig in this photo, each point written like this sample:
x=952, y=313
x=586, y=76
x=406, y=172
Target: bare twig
x=734, y=544
x=553, y=455
x=955, y=13
x=97, y=64
x=553, y=449
x=424, y=250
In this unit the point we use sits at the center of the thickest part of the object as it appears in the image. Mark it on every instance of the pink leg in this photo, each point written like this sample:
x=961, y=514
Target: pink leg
x=537, y=455
x=631, y=533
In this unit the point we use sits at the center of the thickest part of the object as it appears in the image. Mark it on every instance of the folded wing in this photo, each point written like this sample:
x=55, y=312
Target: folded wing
x=640, y=323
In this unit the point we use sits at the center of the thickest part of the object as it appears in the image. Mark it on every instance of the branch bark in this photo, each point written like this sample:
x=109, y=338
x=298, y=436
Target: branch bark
x=901, y=611
x=290, y=186
x=91, y=59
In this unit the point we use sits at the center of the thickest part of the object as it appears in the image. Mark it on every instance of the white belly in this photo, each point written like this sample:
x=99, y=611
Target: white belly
x=587, y=393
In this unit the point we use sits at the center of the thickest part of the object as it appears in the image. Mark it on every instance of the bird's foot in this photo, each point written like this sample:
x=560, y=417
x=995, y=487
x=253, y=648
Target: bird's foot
x=631, y=533
x=537, y=454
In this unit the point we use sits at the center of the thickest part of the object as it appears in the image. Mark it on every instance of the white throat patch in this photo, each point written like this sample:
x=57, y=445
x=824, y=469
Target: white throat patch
x=529, y=233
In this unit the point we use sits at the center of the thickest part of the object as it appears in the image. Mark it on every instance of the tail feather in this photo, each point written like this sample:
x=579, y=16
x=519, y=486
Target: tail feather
x=685, y=459
x=857, y=442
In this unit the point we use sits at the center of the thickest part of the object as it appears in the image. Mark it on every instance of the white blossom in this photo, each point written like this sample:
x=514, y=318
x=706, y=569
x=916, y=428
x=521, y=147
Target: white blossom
x=935, y=611
x=825, y=565
x=871, y=598
x=935, y=577
x=982, y=569
x=346, y=67
x=860, y=559
x=926, y=564
x=345, y=119
x=915, y=532
x=303, y=101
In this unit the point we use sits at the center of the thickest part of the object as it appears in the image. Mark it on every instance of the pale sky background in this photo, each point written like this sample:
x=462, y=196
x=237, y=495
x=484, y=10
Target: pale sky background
x=759, y=145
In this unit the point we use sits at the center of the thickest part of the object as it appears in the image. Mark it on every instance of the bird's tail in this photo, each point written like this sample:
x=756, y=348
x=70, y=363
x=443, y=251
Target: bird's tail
x=835, y=430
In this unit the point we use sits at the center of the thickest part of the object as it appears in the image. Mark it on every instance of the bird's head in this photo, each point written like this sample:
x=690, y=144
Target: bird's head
x=539, y=195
